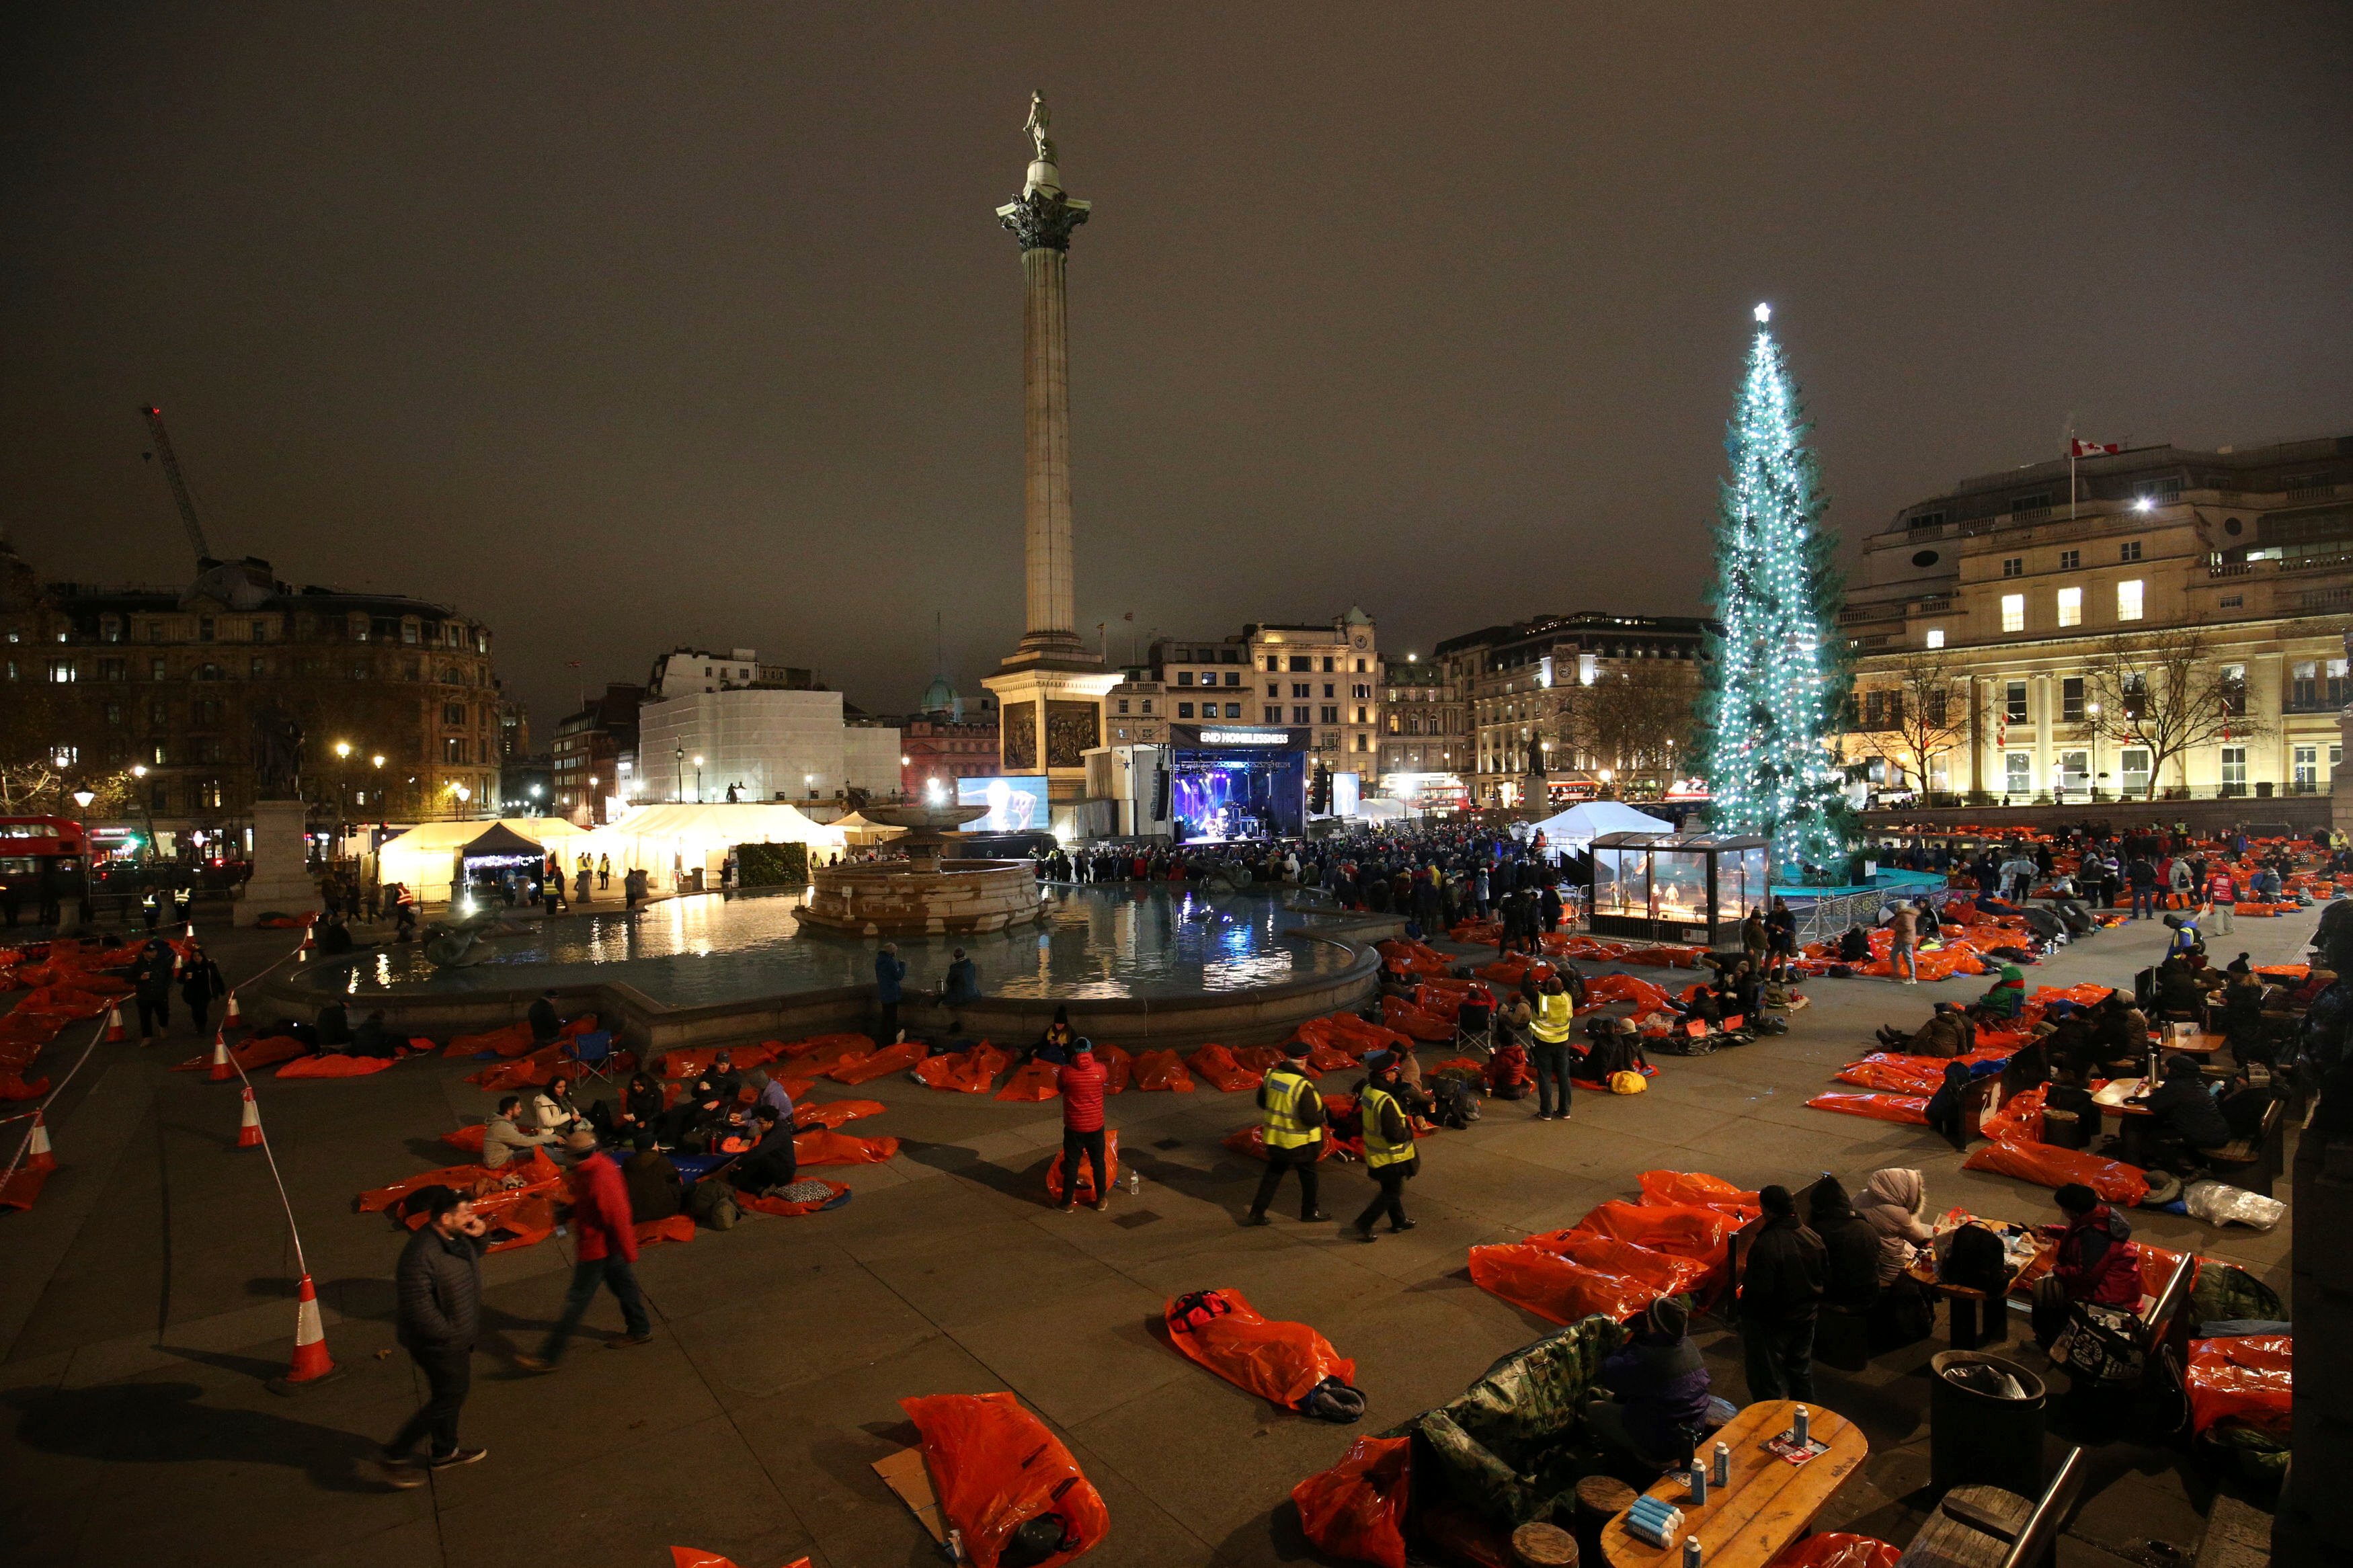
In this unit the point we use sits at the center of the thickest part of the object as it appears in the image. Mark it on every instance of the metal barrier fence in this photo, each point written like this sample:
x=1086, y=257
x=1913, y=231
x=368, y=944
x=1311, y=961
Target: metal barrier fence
x=1826, y=919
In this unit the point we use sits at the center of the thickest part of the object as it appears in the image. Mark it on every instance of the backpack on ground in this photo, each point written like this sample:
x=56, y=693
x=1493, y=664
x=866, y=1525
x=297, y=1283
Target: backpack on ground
x=713, y=1205
x=1453, y=1103
x=1334, y=1401
x=1197, y=1309
x=1627, y=1083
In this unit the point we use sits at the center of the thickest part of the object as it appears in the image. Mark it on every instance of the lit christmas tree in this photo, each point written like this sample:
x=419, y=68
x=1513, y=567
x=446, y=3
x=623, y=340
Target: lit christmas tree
x=1774, y=686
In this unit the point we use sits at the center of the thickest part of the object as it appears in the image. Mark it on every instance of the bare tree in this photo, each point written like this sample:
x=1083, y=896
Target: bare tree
x=1634, y=718
x=2165, y=691
x=1914, y=719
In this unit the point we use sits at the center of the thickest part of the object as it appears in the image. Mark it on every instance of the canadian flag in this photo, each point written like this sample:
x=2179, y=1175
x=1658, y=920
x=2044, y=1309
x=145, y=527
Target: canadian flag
x=2094, y=448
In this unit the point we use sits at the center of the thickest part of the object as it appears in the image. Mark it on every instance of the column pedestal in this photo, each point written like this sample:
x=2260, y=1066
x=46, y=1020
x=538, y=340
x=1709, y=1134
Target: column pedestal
x=281, y=882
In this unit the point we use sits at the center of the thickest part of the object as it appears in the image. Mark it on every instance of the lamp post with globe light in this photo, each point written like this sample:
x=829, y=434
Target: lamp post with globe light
x=147, y=805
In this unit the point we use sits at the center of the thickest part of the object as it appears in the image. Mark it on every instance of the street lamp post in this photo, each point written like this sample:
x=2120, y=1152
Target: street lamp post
x=680, y=794
x=147, y=805
x=698, y=780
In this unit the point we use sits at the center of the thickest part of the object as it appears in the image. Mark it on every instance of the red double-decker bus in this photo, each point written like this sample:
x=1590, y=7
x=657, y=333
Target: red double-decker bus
x=44, y=862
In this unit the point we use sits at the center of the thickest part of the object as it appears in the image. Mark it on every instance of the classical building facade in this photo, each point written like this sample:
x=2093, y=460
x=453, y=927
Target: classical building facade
x=1425, y=744
x=2007, y=595
x=1324, y=678
x=1519, y=683
x=1136, y=711
x=401, y=710
x=944, y=740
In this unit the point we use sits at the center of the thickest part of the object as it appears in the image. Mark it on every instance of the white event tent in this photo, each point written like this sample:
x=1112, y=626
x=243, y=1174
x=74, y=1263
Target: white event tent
x=1581, y=824
x=664, y=841
x=425, y=857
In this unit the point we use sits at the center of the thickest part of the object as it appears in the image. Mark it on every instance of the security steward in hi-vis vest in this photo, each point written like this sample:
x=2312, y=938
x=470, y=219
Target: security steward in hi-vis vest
x=1389, y=1153
x=1549, y=1054
x=1293, y=1131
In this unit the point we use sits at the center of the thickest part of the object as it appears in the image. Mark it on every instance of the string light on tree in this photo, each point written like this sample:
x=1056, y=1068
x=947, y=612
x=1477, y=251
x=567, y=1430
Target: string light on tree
x=1769, y=711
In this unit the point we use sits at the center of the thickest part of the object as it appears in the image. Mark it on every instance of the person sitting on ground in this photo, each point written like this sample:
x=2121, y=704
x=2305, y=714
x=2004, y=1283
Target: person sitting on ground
x=374, y=1039
x=725, y=1081
x=2186, y=1122
x=545, y=1023
x=1850, y=1247
x=1618, y=1050
x=2005, y=997
x=689, y=1123
x=2093, y=1261
x=552, y=1110
x=1854, y=947
x=1054, y=1045
x=503, y=1139
x=771, y=1163
x=1659, y=1388
x=1947, y=1033
x=770, y=1091
x=962, y=981
x=334, y=938
x=1742, y=992
x=335, y=1027
x=1945, y=1108
x=656, y=1189
x=1508, y=1074
x=640, y=1107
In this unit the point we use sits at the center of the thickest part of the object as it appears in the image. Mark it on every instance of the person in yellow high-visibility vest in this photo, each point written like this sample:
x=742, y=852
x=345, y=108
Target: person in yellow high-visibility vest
x=1550, y=1027
x=1390, y=1157
x=1293, y=1131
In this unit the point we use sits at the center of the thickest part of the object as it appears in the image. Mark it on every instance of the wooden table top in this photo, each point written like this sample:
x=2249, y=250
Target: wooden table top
x=1768, y=1503
x=2111, y=1095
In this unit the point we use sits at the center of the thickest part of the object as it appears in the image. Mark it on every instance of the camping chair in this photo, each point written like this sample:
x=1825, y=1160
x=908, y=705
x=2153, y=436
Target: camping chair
x=591, y=1054
x=1475, y=1026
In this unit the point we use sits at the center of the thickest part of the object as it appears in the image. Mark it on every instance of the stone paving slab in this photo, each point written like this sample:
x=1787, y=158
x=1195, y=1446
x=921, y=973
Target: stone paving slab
x=154, y=1293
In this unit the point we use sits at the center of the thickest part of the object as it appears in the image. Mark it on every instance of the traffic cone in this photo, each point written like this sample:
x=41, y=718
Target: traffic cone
x=249, y=1127
x=312, y=1362
x=222, y=1069
x=234, y=1015
x=115, y=1023
x=190, y=934
x=37, y=1157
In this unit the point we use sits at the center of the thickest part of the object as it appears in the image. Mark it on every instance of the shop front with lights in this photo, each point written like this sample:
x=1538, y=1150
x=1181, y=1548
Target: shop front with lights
x=1689, y=888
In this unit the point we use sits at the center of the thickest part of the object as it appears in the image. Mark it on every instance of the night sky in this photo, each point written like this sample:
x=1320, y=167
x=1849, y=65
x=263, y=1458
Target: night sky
x=627, y=325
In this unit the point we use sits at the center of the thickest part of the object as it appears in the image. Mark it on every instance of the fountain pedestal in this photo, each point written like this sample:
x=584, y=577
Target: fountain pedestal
x=924, y=895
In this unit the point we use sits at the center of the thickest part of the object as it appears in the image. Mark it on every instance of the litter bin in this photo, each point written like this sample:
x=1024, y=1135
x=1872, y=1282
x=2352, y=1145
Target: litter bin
x=1978, y=1436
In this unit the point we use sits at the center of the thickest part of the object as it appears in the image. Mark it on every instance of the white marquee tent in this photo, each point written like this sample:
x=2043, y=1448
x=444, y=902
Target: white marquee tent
x=425, y=857
x=1581, y=824
x=664, y=841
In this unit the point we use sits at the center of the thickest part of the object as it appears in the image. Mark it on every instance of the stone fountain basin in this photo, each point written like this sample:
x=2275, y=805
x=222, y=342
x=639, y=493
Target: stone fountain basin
x=926, y=897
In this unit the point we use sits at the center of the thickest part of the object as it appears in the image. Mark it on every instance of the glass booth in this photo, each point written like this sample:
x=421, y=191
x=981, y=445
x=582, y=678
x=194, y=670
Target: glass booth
x=1676, y=887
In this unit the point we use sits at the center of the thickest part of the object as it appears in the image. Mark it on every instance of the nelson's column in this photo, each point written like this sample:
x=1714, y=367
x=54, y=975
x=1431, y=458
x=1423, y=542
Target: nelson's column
x=1049, y=693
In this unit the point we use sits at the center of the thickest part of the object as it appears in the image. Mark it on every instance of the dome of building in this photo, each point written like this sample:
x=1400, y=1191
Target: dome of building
x=939, y=697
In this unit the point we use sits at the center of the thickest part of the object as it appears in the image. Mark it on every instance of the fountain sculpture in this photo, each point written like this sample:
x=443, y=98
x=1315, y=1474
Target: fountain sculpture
x=924, y=895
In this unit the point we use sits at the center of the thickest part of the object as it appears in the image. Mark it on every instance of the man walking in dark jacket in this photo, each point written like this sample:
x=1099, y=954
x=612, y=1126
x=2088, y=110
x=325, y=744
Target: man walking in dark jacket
x=437, y=1286
x=1780, y=1292
x=152, y=983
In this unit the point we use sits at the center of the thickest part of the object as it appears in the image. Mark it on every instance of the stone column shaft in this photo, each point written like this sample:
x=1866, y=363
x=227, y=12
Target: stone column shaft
x=1046, y=388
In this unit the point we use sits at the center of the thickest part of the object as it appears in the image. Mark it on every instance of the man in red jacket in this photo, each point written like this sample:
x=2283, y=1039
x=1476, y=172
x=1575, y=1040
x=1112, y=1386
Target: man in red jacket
x=1081, y=1082
x=608, y=1251
x=2093, y=1260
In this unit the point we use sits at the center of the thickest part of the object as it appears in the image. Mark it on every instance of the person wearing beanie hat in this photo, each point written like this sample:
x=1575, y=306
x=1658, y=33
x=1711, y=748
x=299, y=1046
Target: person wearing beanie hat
x=1784, y=1269
x=1657, y=1384
x=2093, y=1260
x=1081, y=1080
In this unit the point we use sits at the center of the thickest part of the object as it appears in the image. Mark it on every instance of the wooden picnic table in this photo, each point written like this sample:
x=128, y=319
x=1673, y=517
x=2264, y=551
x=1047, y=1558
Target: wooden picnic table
x=1770, y=1502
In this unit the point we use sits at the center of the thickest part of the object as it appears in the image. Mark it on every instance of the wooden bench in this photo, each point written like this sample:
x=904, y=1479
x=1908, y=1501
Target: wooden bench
x=1986, y=1527
x=2254, y=1162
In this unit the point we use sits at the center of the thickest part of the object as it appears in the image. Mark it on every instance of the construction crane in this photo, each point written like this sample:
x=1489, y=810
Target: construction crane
x=162, y=453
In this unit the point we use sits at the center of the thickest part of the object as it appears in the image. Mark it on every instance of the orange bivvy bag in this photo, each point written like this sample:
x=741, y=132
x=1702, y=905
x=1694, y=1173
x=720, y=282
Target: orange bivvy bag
x=2050, y=1166
x=1834, y=1548
x=1274, y=1360
x=1087, y=1194
x=1161, y=1071
x=993, y=1466
x=1355, y=1509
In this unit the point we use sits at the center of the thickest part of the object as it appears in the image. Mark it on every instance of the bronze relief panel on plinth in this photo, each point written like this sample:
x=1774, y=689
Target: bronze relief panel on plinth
x=1071, y=733
x=1020, y=737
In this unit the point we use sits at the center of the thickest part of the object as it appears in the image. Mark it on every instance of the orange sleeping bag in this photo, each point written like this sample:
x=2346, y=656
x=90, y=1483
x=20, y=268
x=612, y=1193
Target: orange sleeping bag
x=971, y=1071
x=1087, y=1193
x=879, y=1064
x=993, y=1466
x=1162, y=1071
x=1216, y=1066
x=823, y=1146
x=335, y=1066
x=1277, y=1361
